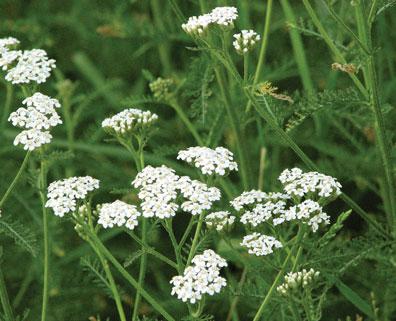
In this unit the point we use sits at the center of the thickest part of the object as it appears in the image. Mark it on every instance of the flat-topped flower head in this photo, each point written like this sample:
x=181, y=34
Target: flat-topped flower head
x=259, y=244
x=248, y=198
x=129, y=121
x=199, y=197
x=39, y=114
x=296, y=282
x=63, y=195
x=119, y=214
x=201, y=278
x=308, y=212
x=220, y=220
x=32, y=66
x=218, y=161
x=197, y=25
x=161, y=88
x=224, y=16
x=6, y=43
x=245, y=41
x=312, y=185
x=274, y=206
x=158, y=191
x=32, y=139
x=7, y=57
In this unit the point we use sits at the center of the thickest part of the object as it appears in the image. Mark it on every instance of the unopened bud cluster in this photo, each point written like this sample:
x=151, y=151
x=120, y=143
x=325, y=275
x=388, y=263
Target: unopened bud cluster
x=161, y=88
x=245, y=41
x=296, y=282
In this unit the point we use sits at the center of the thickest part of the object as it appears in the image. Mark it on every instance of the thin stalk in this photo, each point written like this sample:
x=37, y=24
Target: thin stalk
x=263, y=49
x=98, y=244
x=113, y=286
x=16, y=179
x=236, y=128
x=196, y=238
x=380, y=129
x=5, y=301
x=187, y=122
x=169, y=228
x=234, y=302
x=336, y=52
x=143, y=259
x=7, y=104
x=245, y=67
x=277, y=278
x=43, y=187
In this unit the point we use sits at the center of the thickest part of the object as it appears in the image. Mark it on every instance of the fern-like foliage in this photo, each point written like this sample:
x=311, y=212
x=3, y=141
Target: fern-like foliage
x=96, y=274
x=20, y=233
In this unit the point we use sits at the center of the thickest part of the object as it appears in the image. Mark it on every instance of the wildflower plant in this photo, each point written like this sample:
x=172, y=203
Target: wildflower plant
x=215, y=195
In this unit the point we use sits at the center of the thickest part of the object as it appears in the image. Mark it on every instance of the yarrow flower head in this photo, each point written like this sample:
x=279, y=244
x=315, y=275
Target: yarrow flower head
x=248, y=198
x=158, y=191
x=64, y=194
x=259, y=244
x=6, y=43
x=245, y=41
x=202, y=277
x=161, y=88
x=129, y=121
x=221, y=16
x=296, y=282
x=39, y=114
x=220, y=220
x=219, y=161
x=312, y=185
x=7, y=55
x=119, y=214
x=32, y=66
x=160, y=187
x=32, y=139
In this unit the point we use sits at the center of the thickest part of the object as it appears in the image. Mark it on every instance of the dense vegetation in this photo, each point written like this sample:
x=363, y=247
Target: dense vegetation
x=315, y=92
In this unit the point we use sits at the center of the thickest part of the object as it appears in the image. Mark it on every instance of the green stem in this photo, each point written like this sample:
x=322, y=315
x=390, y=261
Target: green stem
x=16, y=179
x=234, y=302
x=336, y=52
x=7, y=104
x=380, y=129
x=196, y=238
x=128, y=277
x=236, y=128
x=5, y=302
x=263, y=49
x=43, y=187
x=187, y=122
x=169, y=228
x=245, y=67
x=277, y=278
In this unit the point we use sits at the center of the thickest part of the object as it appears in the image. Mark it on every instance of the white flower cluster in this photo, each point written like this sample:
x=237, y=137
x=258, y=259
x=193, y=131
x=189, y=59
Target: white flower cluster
x=221, y=16
x=32, y=65
x=219, y=220
x=259, y=244
x=38, y=116
x=202, y=277
x=310, y=184
x=245, y=41
x=7, y=56
x=263, y=212
x=248, y=198
x=209, y=161
x=160, y=186
x=118, y=213
x=295, y=281
x=63, y=194
x=129, y=121
x=158, y=191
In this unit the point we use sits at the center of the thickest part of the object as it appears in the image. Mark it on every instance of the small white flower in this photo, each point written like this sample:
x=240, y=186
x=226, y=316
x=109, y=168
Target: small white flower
x=118, y=213
x=245, y=41
x=202, y=277
x=248, y=198
x=129, y=121
x=224, y=16
x=259, y=244
x=219, y=220
x=63, y=194
x=197, y=25
x=33, y=65
x=296, y=282
x=5, y=43
x=209, y=161
x=32, y=139
x=7, y=57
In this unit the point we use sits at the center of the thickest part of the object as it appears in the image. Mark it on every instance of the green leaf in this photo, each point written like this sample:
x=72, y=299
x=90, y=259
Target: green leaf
x=334, y=229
